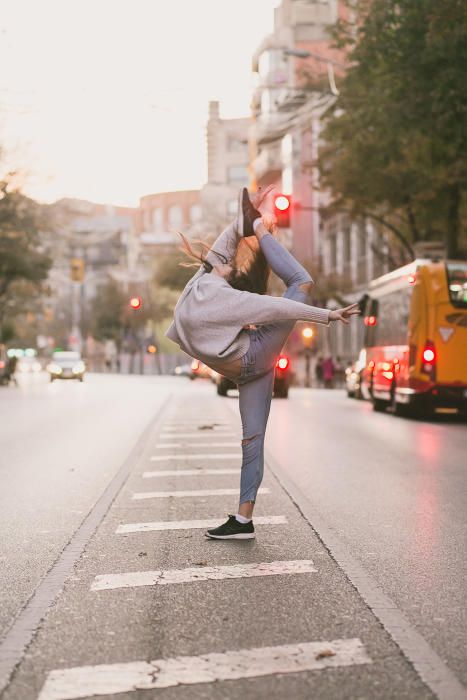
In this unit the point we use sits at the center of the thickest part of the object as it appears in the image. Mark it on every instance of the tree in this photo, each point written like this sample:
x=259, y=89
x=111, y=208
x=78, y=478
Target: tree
x=396, y=143
x=169, y=273
x=24, y=265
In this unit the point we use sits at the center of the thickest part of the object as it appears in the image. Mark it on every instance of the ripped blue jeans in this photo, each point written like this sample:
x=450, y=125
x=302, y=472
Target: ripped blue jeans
x=256, y=380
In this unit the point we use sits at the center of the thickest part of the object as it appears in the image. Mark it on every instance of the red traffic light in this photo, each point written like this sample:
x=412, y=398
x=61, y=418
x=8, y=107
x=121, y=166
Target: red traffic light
x=282, y=202
x=282, y=207
x=136, y=303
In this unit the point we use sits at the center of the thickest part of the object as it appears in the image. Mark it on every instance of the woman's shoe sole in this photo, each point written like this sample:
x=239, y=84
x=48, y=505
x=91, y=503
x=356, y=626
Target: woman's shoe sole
x=240, y=536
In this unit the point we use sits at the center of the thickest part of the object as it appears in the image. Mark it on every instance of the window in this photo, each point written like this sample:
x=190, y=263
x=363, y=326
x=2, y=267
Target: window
x=457, y=281
x=196, y=213
x=392, y=318
x=157, y=222
x=361, y=240
x=237, y=175
x=236, y=145
x=333, y=251
x=175, y=216
x=347, y=245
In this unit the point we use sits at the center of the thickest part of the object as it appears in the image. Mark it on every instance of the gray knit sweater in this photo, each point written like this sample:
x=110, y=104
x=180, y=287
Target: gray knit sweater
x=210, y=315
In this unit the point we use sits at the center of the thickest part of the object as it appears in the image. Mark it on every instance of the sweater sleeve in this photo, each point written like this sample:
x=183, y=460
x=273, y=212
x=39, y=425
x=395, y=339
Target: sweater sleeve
x=259, y=309
x=225, y=244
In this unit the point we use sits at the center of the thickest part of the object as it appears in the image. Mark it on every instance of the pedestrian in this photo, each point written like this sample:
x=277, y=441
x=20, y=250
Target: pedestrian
x=213, y=322
x=319, y=371
x=328, y=368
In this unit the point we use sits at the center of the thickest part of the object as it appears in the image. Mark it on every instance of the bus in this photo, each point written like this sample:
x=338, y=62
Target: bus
x=415, y=341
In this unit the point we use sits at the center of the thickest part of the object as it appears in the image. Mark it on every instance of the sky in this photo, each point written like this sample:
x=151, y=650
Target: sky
x=107, y=100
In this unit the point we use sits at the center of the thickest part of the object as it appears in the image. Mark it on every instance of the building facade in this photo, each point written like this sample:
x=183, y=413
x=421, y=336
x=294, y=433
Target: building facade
x=297, y=83
x=228, y=168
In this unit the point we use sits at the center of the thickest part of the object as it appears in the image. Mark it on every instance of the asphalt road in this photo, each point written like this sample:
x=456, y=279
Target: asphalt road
x=390, y=492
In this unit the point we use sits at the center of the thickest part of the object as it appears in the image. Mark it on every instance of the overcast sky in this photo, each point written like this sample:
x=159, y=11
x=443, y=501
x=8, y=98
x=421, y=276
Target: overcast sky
x=107, y=100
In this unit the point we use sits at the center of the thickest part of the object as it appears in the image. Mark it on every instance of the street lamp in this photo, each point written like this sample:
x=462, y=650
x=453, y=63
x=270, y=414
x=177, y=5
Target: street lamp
x=307, y=335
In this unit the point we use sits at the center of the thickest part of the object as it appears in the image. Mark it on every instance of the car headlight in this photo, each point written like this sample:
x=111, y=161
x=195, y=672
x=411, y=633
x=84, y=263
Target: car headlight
x=54, y=369
x=79, y=368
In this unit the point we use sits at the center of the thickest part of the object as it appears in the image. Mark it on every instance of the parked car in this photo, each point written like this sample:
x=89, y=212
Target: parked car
x=353, y=377
x=282, y=379
x=183, y=370
x=66, y=365
x=28, y=365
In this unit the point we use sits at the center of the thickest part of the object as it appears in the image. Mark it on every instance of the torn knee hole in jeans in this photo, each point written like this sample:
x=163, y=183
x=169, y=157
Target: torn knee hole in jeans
x=245, y=441
x=307, y=286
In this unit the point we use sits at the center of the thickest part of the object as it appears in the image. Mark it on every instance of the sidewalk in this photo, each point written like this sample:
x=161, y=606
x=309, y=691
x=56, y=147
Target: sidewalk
x=271, y=618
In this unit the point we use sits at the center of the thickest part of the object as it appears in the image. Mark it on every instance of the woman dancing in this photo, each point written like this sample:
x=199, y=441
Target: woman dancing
x=212, y=322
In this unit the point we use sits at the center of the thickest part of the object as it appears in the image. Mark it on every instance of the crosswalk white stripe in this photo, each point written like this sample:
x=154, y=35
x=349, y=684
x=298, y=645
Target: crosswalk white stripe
x=189, y=494
x=189, y=472
x=196, y=444
x=197, y=426
x=163, y=525
x=135, y=579
x=111, y=679
x=171, y=436
x=182, y=457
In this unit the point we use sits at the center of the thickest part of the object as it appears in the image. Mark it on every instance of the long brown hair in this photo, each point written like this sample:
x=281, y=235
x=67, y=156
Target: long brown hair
x=250, y=271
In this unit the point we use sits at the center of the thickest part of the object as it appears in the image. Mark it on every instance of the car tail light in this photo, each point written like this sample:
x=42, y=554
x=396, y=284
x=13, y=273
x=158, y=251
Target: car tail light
x=429, y=359
x=369, y=320
x=2, y=364
x=282, y=363
x=195, y=365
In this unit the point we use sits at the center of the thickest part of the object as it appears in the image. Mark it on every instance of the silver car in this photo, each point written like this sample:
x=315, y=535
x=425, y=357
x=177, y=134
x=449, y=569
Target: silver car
x=66, y=365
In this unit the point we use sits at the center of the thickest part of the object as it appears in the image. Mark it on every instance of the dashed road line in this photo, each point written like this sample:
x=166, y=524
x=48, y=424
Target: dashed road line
x=111, y=679
x=196, y=444
x=221, y=455
x=189, y=472
x=18, y=637
x=171, y=436
x=190, y=494
x=194, y=574
x=162, y=525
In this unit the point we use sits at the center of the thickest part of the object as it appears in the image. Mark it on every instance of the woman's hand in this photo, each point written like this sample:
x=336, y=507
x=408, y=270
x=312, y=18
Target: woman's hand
x=344, y=314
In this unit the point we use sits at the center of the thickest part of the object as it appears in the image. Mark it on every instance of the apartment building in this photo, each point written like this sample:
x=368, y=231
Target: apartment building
x=228, y=162
x=298, y=75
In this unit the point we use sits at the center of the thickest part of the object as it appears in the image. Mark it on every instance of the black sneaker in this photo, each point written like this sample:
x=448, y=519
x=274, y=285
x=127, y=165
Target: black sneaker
x=232, y=530
x=246, y=214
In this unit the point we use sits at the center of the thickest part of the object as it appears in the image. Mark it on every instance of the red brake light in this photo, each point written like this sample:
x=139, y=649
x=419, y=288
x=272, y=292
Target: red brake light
x=411, y=279
x=282, y=363
x=370, y=321
x=2, y=364
x=428, y=355
x=429, y=359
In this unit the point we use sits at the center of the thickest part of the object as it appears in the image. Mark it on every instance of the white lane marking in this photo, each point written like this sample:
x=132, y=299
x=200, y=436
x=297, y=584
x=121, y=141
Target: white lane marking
x=188, y=494
x=197, y=444
x=162, y=525
x=182, y=457
x=206, y=573
x=197, y=425
x=111, y=679
x=171, y=436
x=188, y=472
